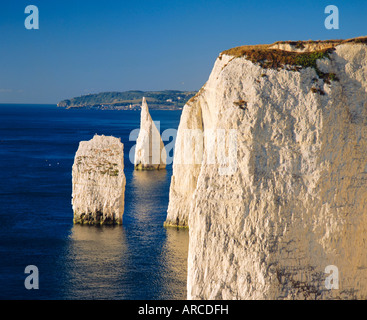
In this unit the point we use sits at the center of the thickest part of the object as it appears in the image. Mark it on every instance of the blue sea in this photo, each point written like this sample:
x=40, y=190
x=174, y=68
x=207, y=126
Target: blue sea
x=138, y=260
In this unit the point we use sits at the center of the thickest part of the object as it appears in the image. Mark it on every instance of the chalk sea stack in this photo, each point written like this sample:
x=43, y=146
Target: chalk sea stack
x=150, y=153
x=296, y=202
x=99, y=181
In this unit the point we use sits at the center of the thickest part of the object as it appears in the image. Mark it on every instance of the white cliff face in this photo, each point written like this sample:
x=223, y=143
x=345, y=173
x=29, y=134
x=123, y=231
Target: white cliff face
x=99, y=181
x=296, y=202
x=186, y=168
x=150, y=153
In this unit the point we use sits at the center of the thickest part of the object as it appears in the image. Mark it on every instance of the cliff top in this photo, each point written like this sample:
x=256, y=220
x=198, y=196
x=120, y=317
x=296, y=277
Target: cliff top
x=296, y=54
x=293, y=46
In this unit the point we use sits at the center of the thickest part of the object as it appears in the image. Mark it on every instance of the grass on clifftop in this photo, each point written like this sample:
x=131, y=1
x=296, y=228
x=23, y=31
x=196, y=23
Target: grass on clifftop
x=273, y=58
x=278, y=59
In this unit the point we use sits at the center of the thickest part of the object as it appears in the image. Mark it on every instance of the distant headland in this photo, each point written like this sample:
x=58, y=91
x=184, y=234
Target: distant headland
x=130, y=100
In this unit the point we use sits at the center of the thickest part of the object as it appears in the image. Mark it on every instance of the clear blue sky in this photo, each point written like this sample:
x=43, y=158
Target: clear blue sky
x=93, y=46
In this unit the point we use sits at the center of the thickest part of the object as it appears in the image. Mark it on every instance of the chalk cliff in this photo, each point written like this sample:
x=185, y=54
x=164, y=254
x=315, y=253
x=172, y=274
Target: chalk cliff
x=280, y=192
x=150, y=153
x=99, y=181
x=186, y=165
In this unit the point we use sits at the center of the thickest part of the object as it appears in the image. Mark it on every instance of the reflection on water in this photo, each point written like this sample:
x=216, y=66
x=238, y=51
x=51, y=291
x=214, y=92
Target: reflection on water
x=97, y=262
x=175, y=260
x=148, y=193
x=145, y=179
x=139, y=260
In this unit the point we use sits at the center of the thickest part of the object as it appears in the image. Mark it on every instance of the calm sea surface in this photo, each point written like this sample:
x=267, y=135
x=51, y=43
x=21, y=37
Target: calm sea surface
x=139, y=260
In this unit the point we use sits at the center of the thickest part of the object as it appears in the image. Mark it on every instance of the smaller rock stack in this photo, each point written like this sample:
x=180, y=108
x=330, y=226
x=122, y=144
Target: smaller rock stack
x=150, y=153
x=99, y=181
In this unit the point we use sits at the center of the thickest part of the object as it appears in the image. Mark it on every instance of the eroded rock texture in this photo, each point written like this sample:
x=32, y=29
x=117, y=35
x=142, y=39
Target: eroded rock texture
x=150, y=153
x=99, y=181
x=297, y=199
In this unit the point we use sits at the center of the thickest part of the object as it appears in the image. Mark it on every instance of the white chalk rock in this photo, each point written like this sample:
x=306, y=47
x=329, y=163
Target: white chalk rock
x=150, y=153
x=286, y=201
x=99, y=181
x=186, y=166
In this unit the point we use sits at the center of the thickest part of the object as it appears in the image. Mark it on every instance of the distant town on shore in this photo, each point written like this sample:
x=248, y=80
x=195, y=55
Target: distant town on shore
x=130, y=100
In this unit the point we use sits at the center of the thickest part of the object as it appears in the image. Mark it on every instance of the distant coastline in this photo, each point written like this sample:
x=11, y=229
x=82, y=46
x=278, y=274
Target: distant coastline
x=130, y=100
